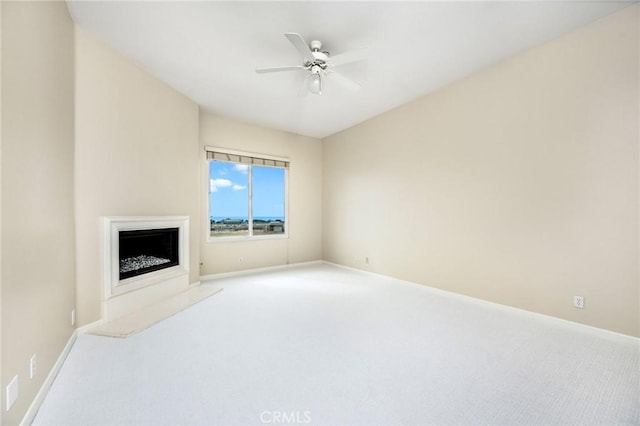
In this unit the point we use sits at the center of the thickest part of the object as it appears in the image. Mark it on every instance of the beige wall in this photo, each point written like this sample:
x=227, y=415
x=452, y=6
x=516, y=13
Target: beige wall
x=2, y=382
x=517, y=185
x=304, y=242
x=136, y=154
x=38, y=257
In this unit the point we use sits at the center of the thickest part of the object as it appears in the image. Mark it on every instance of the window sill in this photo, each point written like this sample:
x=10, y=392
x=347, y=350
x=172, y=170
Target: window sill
x=246, y=238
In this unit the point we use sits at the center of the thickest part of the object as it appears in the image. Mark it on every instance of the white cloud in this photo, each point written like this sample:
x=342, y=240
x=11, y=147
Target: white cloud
x=242, y=168
x=237, y=187
x=219, y=183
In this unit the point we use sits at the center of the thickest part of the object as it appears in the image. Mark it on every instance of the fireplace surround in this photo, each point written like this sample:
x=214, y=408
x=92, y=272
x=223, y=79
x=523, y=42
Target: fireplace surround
x=145, y=259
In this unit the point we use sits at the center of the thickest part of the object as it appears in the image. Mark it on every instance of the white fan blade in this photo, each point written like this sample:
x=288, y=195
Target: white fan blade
x=277, y=69
x=344, y=81
x=348, y=57
x=301, y=45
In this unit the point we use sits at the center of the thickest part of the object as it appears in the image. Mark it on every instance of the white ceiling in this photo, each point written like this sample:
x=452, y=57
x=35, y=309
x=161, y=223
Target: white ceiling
x=209, y=50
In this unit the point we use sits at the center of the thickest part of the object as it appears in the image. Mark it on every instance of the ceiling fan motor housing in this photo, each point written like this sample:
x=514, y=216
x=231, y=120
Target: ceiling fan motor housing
x=320, y=60
x=319, y=56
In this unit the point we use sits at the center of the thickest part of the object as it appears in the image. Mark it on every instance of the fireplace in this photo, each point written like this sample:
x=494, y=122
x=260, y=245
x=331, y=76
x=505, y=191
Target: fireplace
x=147, y=250
x=146, y=258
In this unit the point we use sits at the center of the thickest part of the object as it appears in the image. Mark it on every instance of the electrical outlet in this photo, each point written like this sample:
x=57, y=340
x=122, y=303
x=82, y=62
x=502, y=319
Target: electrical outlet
x=366, y=260
x=73, y=317
x=12, y=392
x=240, y=259
x=32, y=366
x=578, y=302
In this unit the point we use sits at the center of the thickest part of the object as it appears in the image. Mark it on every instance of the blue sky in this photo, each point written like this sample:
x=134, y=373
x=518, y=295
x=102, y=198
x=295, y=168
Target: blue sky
x=229, y=186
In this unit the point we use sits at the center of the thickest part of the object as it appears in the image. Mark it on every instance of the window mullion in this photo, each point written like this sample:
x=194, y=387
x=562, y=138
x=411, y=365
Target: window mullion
x=250, y=193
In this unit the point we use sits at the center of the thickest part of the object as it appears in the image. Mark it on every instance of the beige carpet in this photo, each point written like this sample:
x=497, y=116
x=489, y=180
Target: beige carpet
x=320, y=345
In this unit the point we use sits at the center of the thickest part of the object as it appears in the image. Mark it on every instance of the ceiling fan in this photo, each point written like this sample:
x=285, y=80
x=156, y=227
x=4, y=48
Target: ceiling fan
x=319, y=64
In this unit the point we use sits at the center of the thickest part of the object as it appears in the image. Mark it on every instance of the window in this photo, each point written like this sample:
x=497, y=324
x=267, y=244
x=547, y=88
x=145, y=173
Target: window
x=247, y=195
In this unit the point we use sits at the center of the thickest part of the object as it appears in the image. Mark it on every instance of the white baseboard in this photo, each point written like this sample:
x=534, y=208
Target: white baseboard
x=601, y=332
x=44, y=389
x=258, y=270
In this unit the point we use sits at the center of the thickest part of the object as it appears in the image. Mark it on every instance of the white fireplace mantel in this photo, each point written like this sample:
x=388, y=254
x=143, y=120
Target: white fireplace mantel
x=123, y=296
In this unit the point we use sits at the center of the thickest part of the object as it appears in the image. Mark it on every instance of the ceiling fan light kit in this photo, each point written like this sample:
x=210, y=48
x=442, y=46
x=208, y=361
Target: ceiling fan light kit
x=315, y=80
x=319, y=64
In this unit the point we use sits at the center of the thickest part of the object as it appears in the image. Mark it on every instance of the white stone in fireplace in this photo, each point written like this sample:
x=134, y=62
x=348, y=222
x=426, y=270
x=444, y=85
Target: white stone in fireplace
x=121, y=297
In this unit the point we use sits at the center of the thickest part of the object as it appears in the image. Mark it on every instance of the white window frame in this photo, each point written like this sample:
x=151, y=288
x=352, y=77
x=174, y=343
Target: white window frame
x=284, y=235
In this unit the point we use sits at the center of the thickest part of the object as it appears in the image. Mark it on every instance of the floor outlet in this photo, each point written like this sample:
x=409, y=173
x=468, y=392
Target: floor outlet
x=12, y=392
x=32, y=366
x=578, y=302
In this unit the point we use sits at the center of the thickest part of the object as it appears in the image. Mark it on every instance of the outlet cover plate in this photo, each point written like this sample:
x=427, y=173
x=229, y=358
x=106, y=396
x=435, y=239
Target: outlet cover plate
x=578, y=302
x=12, y=392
